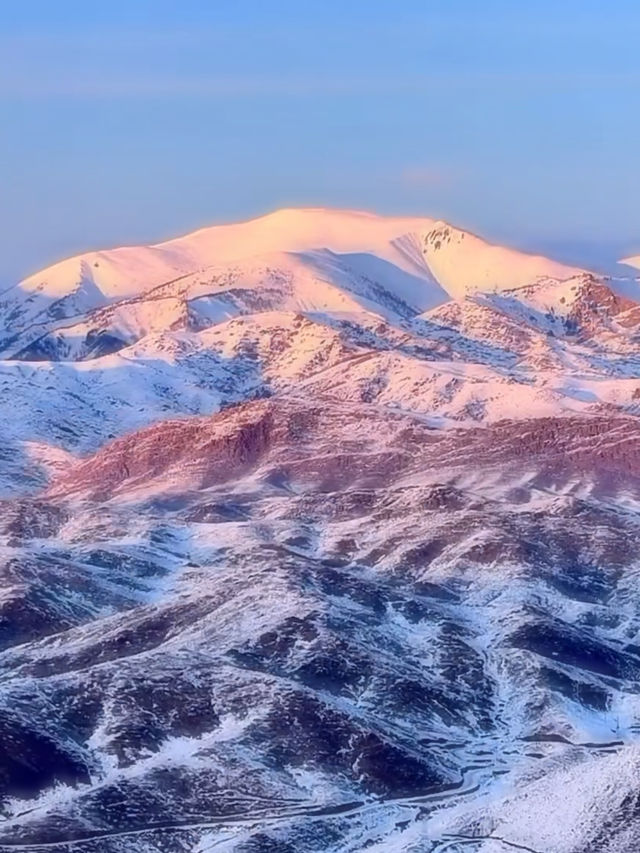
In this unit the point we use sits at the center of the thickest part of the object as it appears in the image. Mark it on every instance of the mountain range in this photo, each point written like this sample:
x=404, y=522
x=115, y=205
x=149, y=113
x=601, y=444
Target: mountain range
x=320, y=534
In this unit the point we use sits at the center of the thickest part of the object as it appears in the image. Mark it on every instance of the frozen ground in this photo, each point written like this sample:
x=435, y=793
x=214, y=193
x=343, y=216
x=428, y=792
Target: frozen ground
x=319, y=534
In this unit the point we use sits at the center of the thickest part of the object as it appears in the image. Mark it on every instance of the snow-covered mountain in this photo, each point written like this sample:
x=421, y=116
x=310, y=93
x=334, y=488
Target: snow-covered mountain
x=319, y=253
x=319, y=535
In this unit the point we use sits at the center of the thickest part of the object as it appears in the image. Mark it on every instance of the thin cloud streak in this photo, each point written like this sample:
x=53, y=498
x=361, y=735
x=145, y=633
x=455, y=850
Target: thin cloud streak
x=24, y=86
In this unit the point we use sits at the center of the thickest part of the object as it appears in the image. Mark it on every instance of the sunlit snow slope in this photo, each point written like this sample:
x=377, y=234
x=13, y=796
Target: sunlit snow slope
x=319, y=534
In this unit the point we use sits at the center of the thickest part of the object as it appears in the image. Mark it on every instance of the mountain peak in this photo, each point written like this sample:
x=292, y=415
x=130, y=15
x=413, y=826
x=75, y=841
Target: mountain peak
x=633, y=261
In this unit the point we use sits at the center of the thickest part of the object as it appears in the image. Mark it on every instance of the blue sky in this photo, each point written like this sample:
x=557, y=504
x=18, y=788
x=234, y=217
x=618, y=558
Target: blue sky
x=132, y=121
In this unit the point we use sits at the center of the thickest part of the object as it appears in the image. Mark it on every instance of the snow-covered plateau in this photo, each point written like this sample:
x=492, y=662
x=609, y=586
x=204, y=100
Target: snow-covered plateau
x=320, y=533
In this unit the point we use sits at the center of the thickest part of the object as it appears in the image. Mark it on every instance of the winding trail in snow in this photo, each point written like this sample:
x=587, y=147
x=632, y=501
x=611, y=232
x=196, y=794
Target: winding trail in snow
x=469, y=784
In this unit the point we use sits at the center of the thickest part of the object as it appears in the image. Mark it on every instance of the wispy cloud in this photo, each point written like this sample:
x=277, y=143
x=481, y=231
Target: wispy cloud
x=156, y=86
x=30, y=83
